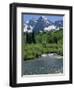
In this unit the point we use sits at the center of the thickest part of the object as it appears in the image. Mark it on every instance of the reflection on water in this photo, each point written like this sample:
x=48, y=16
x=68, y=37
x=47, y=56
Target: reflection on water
x=42, y=65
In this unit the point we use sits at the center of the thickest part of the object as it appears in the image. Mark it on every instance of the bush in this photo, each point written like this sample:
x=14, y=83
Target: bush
x=28, y=55
x=32, y=51
x=60, y=51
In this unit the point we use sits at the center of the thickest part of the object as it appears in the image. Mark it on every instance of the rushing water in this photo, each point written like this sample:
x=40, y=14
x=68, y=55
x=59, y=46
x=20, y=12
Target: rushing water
x=42, y=65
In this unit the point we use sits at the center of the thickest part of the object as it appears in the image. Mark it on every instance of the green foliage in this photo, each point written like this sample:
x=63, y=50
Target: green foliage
x=32, y=51
x=36, y=44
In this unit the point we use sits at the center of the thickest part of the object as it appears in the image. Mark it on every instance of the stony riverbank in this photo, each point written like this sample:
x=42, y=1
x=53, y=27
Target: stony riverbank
x=52, y=55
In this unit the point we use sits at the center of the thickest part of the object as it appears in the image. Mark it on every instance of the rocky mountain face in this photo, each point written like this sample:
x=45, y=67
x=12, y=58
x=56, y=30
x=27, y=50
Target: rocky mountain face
x=42, y=22
x=59, y=23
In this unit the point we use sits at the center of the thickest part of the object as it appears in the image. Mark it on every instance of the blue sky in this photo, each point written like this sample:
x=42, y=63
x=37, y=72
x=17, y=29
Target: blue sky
x=53, y=18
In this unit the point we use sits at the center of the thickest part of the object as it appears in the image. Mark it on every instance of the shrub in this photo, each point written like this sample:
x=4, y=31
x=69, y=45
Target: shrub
x=60, y=51
x=35, y=50
x=28, y=55
x=32, y=51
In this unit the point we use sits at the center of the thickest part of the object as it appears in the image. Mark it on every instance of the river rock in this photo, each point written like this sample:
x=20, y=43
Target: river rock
x=44, y=55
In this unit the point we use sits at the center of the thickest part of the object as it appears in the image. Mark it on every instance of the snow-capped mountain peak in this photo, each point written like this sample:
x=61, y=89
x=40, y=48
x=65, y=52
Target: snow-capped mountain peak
x=42, y=24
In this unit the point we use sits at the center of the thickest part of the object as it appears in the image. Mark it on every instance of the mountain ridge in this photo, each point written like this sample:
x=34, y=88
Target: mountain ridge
x=42, y=24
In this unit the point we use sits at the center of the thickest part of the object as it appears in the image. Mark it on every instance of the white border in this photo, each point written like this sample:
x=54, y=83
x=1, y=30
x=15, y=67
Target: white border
x=43, y=78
